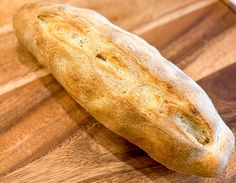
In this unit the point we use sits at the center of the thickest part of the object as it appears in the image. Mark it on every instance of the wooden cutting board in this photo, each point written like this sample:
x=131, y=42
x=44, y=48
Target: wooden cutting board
x=45, y=136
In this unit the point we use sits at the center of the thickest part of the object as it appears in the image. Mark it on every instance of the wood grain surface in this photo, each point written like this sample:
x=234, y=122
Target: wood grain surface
x=45, y=136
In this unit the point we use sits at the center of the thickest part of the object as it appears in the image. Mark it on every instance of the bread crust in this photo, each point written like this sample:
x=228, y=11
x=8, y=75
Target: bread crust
x=128, y=86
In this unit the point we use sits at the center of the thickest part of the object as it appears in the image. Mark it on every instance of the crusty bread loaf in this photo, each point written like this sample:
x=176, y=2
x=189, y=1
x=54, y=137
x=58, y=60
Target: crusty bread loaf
x=128, y=86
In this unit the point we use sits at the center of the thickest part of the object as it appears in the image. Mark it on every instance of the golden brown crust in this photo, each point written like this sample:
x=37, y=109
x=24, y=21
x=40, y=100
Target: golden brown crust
x=128, y=86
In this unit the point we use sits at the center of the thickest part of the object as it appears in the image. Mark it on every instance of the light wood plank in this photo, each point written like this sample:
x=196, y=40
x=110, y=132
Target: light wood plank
x=125, y=13
x=34, y=119
x=206, y=44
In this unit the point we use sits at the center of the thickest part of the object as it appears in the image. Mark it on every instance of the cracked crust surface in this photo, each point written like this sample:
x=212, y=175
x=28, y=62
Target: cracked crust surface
x=128, y=86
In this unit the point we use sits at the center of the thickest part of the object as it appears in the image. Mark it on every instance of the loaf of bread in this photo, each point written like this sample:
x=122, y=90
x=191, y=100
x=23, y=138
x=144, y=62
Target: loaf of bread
x=128, y=86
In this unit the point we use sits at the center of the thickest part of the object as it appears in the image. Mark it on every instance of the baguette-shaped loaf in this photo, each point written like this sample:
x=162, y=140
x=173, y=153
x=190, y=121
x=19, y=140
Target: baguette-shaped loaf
x=128, y=86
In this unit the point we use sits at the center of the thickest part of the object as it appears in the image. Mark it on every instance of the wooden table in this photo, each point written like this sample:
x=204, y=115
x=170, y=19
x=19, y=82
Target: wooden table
x=45, y=136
